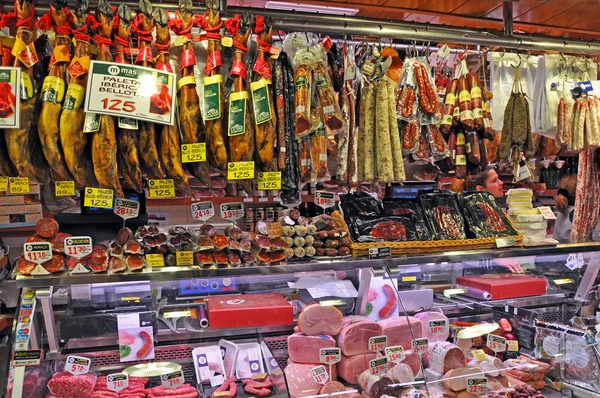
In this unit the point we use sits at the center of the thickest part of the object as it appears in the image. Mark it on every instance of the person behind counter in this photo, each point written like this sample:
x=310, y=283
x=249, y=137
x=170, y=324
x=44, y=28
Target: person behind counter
x=565, y=204
x=487, y=181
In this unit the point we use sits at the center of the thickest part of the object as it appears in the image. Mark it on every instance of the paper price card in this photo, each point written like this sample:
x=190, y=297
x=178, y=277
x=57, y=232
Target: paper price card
x=126, y=208
x=203, y=210
x=330, y=356
x=27, y=358
x=477, y=385
x=513, y=345
x=547, y=212
x=378, y=366
x=496, y=343
x=3, y=184
x=479, y=355
x=324, y=199
x=269, y=180
x=232, y=211
x=319, y=374
x=172, y=380
x=131, y=91
x=185, y=258
x=192, y=153
x=117, y=382
x=438, y=327
x=420, y=345
x=18, y=185
x=78, y=246
x=98, y=197
x=161, y=188
x=37, y=252
x=77, y=365
x=64, y=188
x=240, y=171
x=155, y=260
x=395, y=354
x=11, y=81
x=377, y=343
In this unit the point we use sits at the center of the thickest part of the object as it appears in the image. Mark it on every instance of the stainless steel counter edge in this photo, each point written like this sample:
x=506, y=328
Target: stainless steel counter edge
x=189, y=272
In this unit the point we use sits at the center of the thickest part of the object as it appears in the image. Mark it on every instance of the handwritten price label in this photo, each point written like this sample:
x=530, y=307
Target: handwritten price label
x=3, y=184
x=117, y=382
x=160, y=189
x=64, y=188
x=37, y=252
x=192, y=153
x=155, y=260
x=324, y=199
x=395, y=354
x=420, y=345
x=378, y=366
x=127, y=209
x=240, y=171
x=78, y=246
x=269, y=180
x=172, y=380
x=438, y=327
x=232, y=211
x=203, y=210
x=496, y=343
x=330, y=356
x=477, y=385
x=319, y=374
x=18, y=185
x=547, y=212
x=377, y=343
x=185, y=258
x=98, y=197
x=77, y=365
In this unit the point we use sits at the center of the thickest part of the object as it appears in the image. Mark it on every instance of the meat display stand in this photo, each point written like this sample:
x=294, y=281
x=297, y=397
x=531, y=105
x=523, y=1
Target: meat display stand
x=78, y=315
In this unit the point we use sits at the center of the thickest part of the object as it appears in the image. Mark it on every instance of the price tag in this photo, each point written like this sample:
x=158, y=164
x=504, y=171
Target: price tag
x=438, y=327
x=78, y=246
x=477, y=385
x=3, y=184
x=37, y=252
x=126, y=208
x=64, y=188
x=226, y=41
x=378, y=366
x=161, y=188
x=240, y=171
x=377, y=343
x=448, y=293
x=269, y=180
x=203, y=210
x=185, y=258
x=496, y=343
x=117, y=382
x=98, y=197
x=420, y=345
x=547, y=212
x=18, y=185
x=155, y=260
x=77, y=365
x=479, y=355
x=505, y=242
x=324, y=199
x=395, y=354
x=513, y=345
x=232, y=211
x=381, y=252
x=408, y=279
x=330, y=356
x=192, y=153
x=27, y=358
x=319, y=374
x=172, y=380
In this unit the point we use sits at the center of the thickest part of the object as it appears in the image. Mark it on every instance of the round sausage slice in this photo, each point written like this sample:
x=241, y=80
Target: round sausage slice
x=46, y=227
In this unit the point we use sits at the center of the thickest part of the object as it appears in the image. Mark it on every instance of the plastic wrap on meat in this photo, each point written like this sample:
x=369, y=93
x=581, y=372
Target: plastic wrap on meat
x=443, y=214
x=484, y=217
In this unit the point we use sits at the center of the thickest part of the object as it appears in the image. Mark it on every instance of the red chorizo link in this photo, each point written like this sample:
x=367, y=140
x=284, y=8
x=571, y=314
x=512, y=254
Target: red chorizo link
x=257, y=391
x=423, y=82
x=411, y=135
x=473, y=148
x=407, y=102
x=452, y=146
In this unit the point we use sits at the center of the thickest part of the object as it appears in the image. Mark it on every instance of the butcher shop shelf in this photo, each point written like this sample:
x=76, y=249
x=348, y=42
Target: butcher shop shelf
x=189, y=272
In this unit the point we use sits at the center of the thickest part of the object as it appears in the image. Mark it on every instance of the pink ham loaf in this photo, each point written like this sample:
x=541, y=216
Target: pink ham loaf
x=398, y=332
x=316, y=319
x=305, y=349
x=349, y=368
x=354, y=337
x=411, y=359
x=445, y=356
x=435, y=326
x=299, y=380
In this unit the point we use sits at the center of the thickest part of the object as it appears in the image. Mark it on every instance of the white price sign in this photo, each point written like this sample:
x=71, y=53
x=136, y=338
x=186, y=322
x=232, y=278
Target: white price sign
x=547, y=212
x=203, y=210
x=172, y=380
x=126, y=208
x=496, y=343
x=319, y=374
x=438, y=327
x=395, y=354
x=378, y=366
x=232, y=211
x=131, y=91
x=377, y=343
x=37, y=252
x=420, y=345
x=477, y=385
x=324, y=199
x=78, y=246
x=77, y=365
x=117, y=382
x=330, y=356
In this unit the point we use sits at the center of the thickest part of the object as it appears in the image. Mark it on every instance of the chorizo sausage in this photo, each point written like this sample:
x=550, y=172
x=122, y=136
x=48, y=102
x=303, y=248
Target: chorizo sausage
x=461, y=157
x=465, y=104
x=476, y=100
x=449, y=102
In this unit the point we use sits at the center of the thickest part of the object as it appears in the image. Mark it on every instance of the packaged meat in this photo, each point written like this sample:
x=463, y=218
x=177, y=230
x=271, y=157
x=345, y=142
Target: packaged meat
x=249, y=360
x=445, y=356
x=456, y=379
x=229, y=354
x=444, y=214
x=435, y=326
x=409, y=208
x=350, y=367
x=484, y=217
x=374, y=386
x=503, y=286
x=492, y=366
x=209, y=362
x=398, y=330
x=250, y=310
x=64, y=383
x=318, y=319
x=305, y=349
x=299, y=380
x=354, y=337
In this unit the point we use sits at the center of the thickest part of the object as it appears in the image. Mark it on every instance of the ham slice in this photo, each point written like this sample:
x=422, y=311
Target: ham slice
x=445, y=356
x=305, y=349
x=299, y=380
x=316, y=319
x=398, y=332
x=351, y=367
x=401, y=373
x=456, y=379
x=412, y=359
x=332, y=387
x=435, y=326
x=492, y=366
x=354, y=338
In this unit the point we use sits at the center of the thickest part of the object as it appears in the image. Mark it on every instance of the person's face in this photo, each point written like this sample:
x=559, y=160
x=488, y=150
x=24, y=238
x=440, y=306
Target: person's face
x=493, y=184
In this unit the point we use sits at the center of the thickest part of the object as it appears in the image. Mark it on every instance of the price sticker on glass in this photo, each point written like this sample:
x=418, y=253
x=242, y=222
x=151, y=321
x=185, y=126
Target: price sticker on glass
x=126, y=208
x=172, y=380
x=159, y=189
x=117, y=382
x=192, y=153
x=18, y=185
x=78, y=246
x=269, y=180
x=377, y=343
x=319, y=374
x=64, y=188
x=232, y=211
x=37, y=252
x=77, y=365
x=240, y=171
x=98, y=197
x=378, y=366
x=395, y=354
x=330, y=356
x=203, y=210
x=324, y=199
x=496, y=343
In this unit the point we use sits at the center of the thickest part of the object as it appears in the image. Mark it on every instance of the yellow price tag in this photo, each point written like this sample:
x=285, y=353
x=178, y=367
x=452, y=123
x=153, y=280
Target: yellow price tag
x=3, y=184
x=191, y=153
x=155, y=260
x=98, y=197
x=410, y=278
x=161, y=188
x=64, y=188
x=185, y=258
x=269, y=180
x=19, y=185
x=226, y=41
x=513, y=345
x=480, y=355
x=240, y=171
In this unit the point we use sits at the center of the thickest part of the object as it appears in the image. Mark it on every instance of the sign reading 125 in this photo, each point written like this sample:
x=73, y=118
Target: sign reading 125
x=118, y=105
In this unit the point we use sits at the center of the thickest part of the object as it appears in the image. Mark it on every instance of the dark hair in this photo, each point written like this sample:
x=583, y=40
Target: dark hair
x=475, y=180
x=566, y=193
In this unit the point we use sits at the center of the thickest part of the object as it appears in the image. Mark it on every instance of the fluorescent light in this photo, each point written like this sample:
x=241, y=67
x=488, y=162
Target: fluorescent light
x=281, y=5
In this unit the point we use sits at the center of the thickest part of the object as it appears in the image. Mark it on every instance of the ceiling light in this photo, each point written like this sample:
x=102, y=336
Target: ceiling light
x=311, y=8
